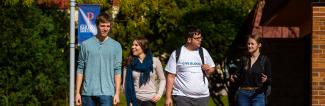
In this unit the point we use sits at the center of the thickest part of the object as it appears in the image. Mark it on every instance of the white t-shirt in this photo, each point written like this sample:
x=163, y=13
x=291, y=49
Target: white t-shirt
x=189, y=77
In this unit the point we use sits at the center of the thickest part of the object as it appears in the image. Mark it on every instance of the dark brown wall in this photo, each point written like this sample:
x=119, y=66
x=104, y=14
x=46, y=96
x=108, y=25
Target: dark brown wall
x=291, y=68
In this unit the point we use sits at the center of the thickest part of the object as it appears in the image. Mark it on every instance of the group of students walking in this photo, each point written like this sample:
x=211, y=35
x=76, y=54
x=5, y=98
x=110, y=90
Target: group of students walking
x=99, y=72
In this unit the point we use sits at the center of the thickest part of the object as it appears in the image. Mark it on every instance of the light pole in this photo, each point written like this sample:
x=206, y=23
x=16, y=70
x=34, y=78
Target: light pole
x=72, y=52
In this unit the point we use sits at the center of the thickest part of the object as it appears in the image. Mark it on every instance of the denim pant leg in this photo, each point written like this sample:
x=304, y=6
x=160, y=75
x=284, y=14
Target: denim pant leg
x=245, y=100
x=243, y=96
x=88, y=101
x=259, y=100
x=102, y=100
x=105, y=100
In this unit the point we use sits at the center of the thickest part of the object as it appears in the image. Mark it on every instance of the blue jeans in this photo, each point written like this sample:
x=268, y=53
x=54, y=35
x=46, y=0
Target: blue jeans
x=245, y=99
x=102, y=100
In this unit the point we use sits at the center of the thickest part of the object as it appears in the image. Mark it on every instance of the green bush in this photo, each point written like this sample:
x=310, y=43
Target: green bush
x=34, y=60
x=34, y=40
x=164, y=23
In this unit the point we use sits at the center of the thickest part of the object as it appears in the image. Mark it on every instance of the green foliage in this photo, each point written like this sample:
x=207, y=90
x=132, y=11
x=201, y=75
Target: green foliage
x=104, y=4
x=34, y=65
x=15, y=2
x=10, y=2
x=34, y=55
x=164, y=23
x=161, y=102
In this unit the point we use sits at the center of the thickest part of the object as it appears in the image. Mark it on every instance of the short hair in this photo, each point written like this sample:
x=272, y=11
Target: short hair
x=191, y=31
x=103, y=18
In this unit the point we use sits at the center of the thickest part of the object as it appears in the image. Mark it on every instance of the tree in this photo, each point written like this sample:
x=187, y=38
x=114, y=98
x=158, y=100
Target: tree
x=62, y=4
x=164, y=23
x=34, y=65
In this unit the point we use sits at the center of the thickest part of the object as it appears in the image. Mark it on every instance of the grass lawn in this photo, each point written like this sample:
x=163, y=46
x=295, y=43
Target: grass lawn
x=161, y=102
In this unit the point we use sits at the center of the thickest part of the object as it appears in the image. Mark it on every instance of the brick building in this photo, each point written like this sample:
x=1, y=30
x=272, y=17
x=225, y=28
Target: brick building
x=293, y=33
x=318, y=53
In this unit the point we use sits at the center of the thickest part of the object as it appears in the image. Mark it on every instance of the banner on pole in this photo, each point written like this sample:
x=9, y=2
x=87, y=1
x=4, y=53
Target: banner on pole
x=86, y=21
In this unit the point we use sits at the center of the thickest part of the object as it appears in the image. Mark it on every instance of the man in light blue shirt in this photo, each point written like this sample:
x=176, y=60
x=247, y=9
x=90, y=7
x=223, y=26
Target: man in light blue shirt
x=99, y=67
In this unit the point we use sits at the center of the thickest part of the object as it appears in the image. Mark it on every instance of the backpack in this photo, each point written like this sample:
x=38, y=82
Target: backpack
x=178, y=52
x=268, y=87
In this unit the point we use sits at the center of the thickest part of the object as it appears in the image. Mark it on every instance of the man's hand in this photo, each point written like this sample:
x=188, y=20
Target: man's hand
x=116, y=99
x=168, y=102
x=207, y=69
x=78, y=99
x=169, y=88
x=79, y=80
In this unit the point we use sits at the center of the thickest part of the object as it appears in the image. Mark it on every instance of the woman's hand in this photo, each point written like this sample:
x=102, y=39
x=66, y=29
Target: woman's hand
x=233, y=77
x=263, y=78
x=155, y=98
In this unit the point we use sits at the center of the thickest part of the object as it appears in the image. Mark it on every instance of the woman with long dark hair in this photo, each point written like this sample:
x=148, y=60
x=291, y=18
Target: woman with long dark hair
x=144, y=80
x=254, y=75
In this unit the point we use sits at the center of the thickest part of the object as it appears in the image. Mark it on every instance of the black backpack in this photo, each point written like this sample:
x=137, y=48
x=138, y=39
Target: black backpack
x=178, y=52
x=267, y=89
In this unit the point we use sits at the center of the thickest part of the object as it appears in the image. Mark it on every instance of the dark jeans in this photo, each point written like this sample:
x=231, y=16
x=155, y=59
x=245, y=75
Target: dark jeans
x=245, y=98
x=145, y=103
x=188, y=101
x=102, y=100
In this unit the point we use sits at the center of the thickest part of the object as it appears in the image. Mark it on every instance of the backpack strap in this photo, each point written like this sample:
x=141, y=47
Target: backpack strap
x=262, y=62
x=202, y=59
x=268, y=87
x=178, y=52
x=201, y=54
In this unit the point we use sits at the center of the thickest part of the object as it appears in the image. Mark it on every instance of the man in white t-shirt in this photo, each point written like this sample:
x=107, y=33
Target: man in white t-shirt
x=186, y=76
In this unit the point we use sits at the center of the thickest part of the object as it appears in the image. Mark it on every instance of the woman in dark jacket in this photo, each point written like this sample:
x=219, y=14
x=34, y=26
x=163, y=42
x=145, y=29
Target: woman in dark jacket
x=254, y=75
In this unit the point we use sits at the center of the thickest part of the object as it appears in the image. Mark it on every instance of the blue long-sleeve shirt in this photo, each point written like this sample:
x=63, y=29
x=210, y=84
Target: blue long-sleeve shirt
x=99, y=62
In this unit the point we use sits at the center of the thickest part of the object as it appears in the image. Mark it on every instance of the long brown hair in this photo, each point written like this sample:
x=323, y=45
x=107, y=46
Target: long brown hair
x=143, y=43
x=258, y=39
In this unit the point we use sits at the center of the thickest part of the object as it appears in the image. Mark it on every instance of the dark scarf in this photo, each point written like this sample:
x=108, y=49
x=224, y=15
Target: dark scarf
x=144, y=68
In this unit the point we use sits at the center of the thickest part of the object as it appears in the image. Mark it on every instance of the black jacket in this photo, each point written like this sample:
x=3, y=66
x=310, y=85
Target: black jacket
x=251, y=76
